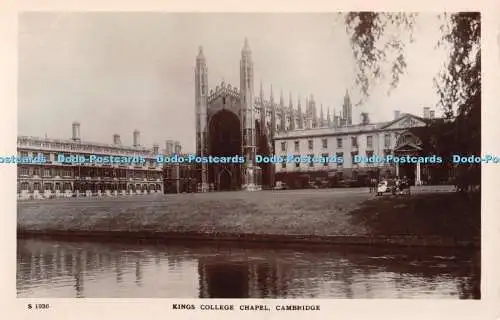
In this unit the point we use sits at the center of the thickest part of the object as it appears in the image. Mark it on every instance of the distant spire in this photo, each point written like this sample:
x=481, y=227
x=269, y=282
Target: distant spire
x=246, y=47
x=263, y=106
x=300, y=123
x=282, y=101
x=328, y=117
x=292, y=113
x=322, y=116
x=200, y=53
x=346, y=96
x=272, y=94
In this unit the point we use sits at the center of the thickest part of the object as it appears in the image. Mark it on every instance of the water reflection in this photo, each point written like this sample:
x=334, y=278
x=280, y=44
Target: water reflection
x=85, y=269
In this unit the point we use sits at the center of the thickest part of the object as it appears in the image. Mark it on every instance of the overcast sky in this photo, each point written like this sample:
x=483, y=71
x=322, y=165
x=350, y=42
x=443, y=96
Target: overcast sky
x=116, y=72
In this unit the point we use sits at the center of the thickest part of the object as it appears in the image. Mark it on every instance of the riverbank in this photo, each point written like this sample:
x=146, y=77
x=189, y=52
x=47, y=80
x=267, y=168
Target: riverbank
x=313, y=216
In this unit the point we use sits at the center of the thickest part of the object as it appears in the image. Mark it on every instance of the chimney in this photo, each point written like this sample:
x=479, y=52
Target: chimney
x=76, y=131
x=365, y=118
x=156, y=149
x=178, y=147
x=426, y=112
x=397, y=114
x=137, y=136
x=431, y=114
x=169, y=147
x=116, y=139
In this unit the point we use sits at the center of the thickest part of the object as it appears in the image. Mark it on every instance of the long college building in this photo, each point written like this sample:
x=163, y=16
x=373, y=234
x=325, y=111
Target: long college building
x=348, y=141
x=56, y=179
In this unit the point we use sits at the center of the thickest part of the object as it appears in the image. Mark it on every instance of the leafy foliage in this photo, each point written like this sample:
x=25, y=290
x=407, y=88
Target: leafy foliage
x=378, y=41
x=460, y=86
x=374, y=44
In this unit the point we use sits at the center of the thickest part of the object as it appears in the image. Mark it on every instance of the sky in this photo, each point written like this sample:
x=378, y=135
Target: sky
x=117, y=72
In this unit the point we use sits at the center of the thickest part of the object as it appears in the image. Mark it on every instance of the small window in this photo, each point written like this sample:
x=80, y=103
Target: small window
x=354, y=141
x=387, y=140
x=325, y=158
x=325, y=143
x=353, y=156
x=369, y=141
x=340, y=159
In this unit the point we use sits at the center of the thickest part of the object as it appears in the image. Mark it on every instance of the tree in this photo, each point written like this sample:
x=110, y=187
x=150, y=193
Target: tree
x=379, y=38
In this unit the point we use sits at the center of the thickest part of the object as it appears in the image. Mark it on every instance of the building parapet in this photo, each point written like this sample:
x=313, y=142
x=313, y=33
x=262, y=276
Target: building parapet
x=36, y=143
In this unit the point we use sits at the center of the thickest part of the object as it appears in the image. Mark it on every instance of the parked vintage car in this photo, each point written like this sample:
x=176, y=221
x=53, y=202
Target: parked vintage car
x=280, y=185
x=386, y=186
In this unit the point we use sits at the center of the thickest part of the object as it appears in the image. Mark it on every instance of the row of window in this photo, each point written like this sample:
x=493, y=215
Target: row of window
x=47, y=186
x=324, y=142
x=76, y=146
x=67, y=186
x=25, y=171
x=53, y=157
x=337, y=155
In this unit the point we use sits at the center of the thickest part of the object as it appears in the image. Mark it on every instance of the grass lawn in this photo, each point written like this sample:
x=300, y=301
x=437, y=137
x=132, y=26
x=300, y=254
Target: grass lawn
x=447, y=215
x=280, y=213
x=297, y=212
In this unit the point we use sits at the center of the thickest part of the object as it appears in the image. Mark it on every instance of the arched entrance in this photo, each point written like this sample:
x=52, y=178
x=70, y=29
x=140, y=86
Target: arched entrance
x=224, y=180
x=408, y=144
x=225, y=141
x=408, y=170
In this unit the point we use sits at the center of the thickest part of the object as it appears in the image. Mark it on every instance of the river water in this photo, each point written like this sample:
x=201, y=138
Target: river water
x=55, y=269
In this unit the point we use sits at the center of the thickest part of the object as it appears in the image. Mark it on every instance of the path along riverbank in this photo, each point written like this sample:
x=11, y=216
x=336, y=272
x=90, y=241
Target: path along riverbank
x=329, y=216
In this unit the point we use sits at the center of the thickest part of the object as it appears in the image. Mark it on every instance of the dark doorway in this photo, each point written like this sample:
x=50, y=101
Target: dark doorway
x=225, y=141
x=224, y=180
x=407, y=170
